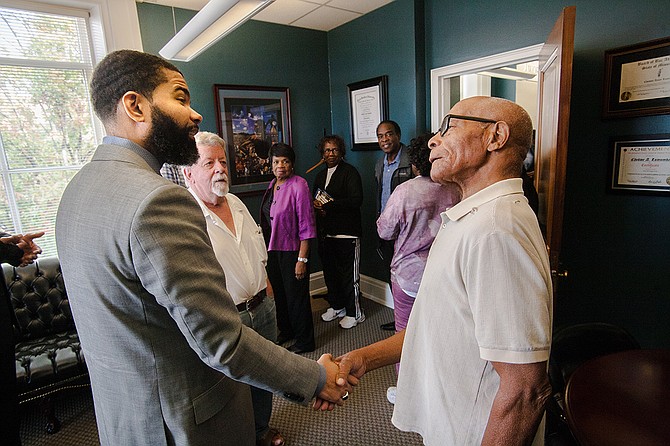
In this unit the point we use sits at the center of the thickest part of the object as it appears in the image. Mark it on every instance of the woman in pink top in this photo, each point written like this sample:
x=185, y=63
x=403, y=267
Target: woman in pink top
x=412, y=218
x=287, y=220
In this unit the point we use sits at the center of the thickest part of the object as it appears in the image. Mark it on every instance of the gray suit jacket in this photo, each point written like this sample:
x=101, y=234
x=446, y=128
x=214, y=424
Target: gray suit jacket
x=161, y=336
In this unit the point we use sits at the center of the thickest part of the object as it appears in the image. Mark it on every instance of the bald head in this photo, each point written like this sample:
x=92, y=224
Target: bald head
x=486, y=141
x=498, y=109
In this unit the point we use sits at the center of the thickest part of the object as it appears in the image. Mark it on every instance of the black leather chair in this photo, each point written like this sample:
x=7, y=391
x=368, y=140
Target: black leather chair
x=49, y=359
x=571, y=347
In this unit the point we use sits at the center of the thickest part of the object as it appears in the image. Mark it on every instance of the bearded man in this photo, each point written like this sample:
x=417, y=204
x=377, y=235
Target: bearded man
x=164, y=343
x=240, y=249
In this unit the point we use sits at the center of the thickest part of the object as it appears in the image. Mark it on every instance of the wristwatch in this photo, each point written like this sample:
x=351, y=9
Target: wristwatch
x=303, y=259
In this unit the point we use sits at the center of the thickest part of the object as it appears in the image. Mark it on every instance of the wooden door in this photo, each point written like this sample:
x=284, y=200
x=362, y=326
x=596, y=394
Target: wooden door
x=551, y=150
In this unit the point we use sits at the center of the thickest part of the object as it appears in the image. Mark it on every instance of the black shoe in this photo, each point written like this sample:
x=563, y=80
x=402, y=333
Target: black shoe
x=299, y=350
x=390, y=326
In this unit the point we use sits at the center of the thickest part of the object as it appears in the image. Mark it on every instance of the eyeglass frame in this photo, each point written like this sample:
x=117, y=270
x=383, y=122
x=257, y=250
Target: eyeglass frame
x=445, y=121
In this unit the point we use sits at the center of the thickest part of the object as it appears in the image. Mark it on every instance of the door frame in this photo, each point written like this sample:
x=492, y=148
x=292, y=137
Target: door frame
x=439, y=77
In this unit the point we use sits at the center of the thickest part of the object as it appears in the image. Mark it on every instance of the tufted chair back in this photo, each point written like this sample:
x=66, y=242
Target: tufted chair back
x=48, y=353
x=39, y=299
x=46, y=339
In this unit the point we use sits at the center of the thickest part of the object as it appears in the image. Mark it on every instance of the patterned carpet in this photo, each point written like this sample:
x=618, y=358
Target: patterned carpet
x=364, y=421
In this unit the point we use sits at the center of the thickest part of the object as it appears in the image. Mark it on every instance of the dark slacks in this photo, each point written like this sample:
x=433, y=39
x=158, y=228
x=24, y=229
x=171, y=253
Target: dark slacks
x=294, y=310
x=341, y=259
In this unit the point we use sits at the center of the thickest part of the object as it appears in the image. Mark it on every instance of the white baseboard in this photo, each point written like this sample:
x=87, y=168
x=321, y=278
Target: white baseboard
x=371, y=288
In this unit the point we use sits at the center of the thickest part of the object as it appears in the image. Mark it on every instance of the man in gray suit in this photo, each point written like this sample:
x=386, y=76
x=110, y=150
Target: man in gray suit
x=164, y=343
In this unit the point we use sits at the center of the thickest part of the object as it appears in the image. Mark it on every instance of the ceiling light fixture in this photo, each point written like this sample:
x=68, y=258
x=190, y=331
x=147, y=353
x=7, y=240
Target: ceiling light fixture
x=509, y=73
x=216, y=19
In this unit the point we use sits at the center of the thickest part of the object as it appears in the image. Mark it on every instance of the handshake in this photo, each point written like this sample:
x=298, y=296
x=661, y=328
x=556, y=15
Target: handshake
x=342, y=374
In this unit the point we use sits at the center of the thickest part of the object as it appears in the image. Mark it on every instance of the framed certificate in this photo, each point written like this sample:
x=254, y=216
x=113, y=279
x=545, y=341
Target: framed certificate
x=641, y=164
x=368, y=103
x=637, y=80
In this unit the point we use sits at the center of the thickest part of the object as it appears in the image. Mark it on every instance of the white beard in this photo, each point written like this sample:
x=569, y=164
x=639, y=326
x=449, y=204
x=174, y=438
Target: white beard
x=220, y=189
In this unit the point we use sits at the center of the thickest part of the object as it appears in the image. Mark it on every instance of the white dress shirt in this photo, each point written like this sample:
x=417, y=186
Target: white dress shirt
x=242, y=256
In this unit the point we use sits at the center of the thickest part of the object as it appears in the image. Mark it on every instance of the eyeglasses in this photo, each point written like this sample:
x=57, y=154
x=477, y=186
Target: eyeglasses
x=445, y=122
x=333, y=151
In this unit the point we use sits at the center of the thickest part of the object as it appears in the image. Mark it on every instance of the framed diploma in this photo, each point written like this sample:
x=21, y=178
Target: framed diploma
x=637, y=80
x=642, y=164
x=368, y=104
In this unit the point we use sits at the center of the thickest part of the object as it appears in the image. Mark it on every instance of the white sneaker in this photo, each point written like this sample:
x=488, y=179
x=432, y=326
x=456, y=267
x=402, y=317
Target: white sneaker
x=332, y=314
x=351, y=322
x=390, y=394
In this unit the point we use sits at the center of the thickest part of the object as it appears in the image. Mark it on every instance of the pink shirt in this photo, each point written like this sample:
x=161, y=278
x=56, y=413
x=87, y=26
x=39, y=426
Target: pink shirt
x=291, y=215
x=412, y=218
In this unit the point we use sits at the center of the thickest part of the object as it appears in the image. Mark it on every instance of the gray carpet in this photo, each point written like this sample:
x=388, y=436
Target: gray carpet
x=365, y=420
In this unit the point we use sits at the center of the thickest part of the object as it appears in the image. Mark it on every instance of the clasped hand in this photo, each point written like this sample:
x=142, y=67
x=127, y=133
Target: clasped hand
x=341, y=375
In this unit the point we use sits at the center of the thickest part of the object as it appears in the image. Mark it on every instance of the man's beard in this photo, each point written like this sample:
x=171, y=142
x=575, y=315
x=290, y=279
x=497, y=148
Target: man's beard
x=169, y=142
x=220, y=189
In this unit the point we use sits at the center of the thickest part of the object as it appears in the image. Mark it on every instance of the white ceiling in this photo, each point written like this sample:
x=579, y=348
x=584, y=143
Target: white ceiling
x=322, y=15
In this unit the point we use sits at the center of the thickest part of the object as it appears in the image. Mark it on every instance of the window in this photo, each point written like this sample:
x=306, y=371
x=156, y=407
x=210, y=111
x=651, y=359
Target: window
x=47, y=127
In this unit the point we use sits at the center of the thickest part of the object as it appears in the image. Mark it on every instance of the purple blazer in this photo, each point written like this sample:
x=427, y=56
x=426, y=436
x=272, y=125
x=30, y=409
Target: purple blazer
x=291, y=215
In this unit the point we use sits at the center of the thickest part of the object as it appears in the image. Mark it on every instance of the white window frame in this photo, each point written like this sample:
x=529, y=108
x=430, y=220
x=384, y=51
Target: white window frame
x=439, y=77
x=113, y=25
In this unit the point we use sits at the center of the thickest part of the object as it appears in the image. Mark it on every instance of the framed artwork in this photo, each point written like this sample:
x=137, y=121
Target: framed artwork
x=250, y=119
x=368, y=106
x=637, y=80
x=641, y=164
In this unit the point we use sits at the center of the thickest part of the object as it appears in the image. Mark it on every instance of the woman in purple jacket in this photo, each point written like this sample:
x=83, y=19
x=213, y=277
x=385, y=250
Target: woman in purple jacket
x=287, y=220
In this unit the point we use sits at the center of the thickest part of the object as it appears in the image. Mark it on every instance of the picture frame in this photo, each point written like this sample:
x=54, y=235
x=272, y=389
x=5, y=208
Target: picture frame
x=250, y=119
x=641, y=164
x=368, y=106
x=637, y=80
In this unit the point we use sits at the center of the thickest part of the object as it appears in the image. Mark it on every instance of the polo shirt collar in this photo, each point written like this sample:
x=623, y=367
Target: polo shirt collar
x=395, y=160
x=490, y=193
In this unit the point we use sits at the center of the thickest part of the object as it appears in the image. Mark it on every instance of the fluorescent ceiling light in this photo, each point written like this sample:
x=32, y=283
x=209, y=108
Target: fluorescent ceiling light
x=509, y=73
x=216, y=19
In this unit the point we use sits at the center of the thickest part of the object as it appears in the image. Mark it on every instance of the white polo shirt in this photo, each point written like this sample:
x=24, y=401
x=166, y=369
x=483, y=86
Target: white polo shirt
x=242, y=256
x=486, y=295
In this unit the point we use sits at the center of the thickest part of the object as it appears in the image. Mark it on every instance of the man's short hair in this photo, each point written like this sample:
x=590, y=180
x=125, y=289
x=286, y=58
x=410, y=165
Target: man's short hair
x=123, y=71
x=209, y=139
x=333, y=139
x=396, y=127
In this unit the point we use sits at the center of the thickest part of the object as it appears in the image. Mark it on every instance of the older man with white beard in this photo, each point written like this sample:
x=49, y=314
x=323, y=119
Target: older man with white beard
x=240, y=249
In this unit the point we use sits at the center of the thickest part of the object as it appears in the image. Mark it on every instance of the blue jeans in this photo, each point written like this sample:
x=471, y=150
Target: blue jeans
x=263, y=320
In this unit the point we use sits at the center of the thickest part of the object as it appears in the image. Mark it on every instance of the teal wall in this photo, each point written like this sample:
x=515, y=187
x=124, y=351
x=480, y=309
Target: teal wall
x=256, y=53
x=616, y=247
x=379, y=43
